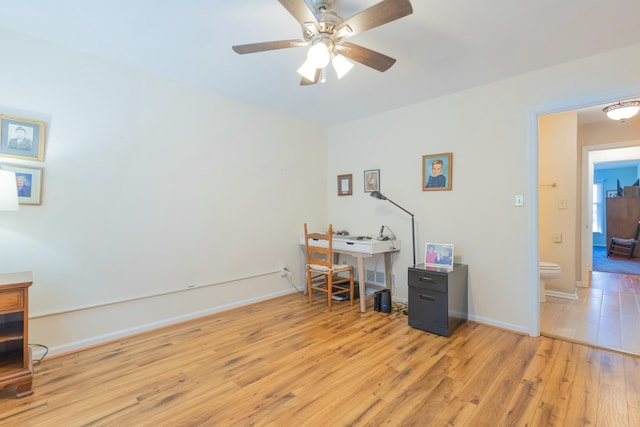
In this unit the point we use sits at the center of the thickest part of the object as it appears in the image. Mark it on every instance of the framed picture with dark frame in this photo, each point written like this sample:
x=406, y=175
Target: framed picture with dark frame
x=371, y=180
x=22, y=138
x=437, y=172
x=345, y=185
x=438, y=255
x=28, y=183
x=612, y=193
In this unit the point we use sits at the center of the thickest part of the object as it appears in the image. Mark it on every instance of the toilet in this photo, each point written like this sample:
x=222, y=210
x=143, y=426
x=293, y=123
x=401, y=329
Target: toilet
x=548, y=271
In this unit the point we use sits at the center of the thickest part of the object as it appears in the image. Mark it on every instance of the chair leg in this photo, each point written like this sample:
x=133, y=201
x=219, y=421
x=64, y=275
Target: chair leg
x=309, y=290
x=329, y=290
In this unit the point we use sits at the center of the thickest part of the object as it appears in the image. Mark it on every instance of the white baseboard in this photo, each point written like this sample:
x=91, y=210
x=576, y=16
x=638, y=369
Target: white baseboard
x=502, y=325
x=564, y=295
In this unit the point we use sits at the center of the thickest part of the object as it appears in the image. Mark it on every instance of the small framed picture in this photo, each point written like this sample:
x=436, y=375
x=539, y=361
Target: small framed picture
x=437, y=172
x=371, y=180
x=612, y=193
x=345, y=185
x=438, y=255
x=28, y=183
x=22, y=138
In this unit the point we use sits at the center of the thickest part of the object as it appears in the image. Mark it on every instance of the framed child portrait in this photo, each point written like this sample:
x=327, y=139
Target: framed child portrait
x=22, y=138
x=438, y=255
x=437, y=170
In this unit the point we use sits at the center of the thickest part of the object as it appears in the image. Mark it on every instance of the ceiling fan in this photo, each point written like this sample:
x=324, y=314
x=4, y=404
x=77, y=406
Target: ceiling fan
x=325, y=31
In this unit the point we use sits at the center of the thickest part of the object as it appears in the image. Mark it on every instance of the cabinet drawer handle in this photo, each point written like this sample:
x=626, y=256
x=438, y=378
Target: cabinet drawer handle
x=426, y=279
x=427, y=297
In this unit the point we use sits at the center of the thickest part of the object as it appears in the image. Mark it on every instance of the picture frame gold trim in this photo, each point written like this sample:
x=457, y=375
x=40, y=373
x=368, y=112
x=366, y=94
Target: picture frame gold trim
x=30, y=148
x=435, y=183
x=32, y=178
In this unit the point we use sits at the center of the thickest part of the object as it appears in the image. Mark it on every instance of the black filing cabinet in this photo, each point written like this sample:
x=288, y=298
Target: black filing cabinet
x=438, y=298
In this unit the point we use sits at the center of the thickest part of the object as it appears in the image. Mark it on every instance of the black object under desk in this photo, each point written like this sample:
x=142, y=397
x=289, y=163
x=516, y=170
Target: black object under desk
x=438, y=299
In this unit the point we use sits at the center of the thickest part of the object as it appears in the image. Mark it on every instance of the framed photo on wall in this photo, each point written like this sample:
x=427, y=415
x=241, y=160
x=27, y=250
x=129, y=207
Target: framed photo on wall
x=437, y=170
x=438, y=255
x=28, y=183
x=371, y=180
x=22, y=138
x=345, y=185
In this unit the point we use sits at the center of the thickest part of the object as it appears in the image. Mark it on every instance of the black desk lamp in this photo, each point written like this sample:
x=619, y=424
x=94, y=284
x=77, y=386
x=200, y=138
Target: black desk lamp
x=379, y=195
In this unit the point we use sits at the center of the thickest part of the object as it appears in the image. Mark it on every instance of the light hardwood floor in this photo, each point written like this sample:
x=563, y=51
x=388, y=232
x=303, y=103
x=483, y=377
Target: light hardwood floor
x=607, y=314
x=285, y=363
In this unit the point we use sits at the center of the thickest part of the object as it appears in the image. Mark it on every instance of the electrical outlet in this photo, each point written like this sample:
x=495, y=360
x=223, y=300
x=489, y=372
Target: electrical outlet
x=284, y=270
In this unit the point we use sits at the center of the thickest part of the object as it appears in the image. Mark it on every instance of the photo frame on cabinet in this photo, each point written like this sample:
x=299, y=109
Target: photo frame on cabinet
x=345, y=185
x=22, y=138
x=438, y=255
x=371, y=180
x=437, y=172
x=612, y=193
x=28, y=183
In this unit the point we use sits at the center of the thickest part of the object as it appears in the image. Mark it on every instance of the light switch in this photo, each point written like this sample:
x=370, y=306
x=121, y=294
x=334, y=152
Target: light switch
x=557, y=237
x=562, y=203
x=519, y=200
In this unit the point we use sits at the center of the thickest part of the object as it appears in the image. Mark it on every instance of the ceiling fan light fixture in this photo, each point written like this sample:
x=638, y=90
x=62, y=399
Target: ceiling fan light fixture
x=319, y=55
x=341, y=65
x=622, y=110
x=308, y=70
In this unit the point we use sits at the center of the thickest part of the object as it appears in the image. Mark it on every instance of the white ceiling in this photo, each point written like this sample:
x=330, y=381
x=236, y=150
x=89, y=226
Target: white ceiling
x=443, y=47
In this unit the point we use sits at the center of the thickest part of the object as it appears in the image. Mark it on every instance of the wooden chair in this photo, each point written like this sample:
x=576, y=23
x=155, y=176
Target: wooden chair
x=623, y=248
x=322, y=273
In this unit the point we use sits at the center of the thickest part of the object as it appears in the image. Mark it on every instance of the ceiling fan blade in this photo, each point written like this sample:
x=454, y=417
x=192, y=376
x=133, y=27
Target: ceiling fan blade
x=306, y=82
x=379, y=14
x=301, y=12
x=368, y=57
x=264, y=46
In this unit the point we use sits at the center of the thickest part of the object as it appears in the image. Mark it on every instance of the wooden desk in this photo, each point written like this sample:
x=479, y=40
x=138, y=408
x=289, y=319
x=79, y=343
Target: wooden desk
x=15, y=355
x=361, y=249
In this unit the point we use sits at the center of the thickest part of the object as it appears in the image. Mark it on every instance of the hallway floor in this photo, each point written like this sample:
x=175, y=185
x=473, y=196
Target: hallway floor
x=605, y=315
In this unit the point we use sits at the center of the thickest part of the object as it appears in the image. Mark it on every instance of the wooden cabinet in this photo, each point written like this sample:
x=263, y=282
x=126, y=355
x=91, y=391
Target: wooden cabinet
x=623, y=214
x=438, y=299
x=15, y=354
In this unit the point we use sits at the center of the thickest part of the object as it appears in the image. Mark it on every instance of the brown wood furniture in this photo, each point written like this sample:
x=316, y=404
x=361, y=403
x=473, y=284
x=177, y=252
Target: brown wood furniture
x=623, y=248
x=15, y=355
x=623, y=214
x=322, y=274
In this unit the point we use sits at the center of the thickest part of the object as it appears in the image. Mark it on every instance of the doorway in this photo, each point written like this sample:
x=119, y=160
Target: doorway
x=571, y=319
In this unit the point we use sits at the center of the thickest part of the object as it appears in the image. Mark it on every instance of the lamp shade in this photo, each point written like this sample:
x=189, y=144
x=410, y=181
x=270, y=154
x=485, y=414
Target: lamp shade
x=622, y=110
x=341, y=65
x=8, y=191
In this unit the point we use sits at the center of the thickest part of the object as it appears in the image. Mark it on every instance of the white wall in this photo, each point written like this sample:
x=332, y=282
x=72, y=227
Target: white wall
x=492, y=132
x=150, y=187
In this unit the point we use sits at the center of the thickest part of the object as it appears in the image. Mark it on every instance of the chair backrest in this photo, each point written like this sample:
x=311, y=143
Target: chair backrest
x=321, y=254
